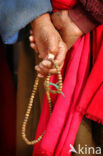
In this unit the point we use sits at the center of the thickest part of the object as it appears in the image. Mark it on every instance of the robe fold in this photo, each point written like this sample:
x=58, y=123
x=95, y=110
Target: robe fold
x=83, y=90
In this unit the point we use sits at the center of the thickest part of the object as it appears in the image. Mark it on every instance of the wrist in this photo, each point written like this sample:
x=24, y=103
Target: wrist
x=76, y=30
x=68, y=22
x=41, y=20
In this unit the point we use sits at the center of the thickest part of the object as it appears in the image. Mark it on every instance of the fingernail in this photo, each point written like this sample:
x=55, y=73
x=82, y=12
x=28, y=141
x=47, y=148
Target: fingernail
x=51, y=56
x=39, y=56
x=46, y=63
x=32, y=45
x=31, y=38
x=41, y=65
x=40, y=75
x=37, y=68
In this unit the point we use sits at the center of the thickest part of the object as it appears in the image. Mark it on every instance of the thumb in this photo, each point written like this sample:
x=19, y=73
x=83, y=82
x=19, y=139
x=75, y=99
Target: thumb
x=53, y=45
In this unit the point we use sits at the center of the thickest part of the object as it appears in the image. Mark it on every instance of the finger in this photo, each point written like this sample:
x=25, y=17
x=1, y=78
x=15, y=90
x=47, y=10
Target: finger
x=59, y=60
x=40, y=70
x=43, y=69
x=46, y=71
x=54, y=70
x=31, y=38
x=60, y=57
x=34, y=47
x=39, y=56
x=40, y=75
x=31, y=32
x=53, y=44
x=51, y=71
x=47, y=64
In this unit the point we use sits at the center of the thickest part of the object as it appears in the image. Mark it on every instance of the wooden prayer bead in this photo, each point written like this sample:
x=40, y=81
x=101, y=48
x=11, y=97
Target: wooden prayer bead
x=48, y=90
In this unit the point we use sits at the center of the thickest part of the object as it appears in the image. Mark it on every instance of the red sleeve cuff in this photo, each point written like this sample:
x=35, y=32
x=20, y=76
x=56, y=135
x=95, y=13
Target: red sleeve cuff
x=81, y=18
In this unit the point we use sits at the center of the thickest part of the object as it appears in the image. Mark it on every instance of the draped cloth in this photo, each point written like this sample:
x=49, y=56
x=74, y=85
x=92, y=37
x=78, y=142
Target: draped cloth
x=83, y=90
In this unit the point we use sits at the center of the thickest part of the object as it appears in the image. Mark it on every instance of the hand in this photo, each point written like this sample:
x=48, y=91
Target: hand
x=45, y=39
x=67, y=29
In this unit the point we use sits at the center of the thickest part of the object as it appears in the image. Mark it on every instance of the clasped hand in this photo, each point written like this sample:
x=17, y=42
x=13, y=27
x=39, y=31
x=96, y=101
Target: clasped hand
x=52, y=34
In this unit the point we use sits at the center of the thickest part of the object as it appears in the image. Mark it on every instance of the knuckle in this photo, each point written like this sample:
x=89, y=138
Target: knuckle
x=53, y=49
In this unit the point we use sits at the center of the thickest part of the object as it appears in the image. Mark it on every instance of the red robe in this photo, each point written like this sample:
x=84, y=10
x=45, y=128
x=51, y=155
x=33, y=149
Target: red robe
x=83, y=90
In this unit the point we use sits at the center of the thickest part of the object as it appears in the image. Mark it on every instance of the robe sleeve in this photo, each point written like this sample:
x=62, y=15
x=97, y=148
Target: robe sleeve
x=16, y=14
x=87, y=14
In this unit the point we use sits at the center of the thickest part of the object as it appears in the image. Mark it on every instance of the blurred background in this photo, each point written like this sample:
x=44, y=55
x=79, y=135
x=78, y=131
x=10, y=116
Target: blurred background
x=17, y=76
x=9, y=59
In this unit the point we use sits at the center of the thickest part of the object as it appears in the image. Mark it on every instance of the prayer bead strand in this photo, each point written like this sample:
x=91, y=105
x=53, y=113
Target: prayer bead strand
x=48, y=90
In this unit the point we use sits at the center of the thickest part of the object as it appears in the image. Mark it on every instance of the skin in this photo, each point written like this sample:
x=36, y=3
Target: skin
x=56, y=34
x=48, y=40
x=66, y=27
